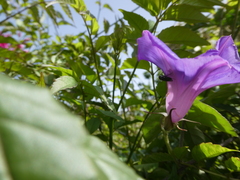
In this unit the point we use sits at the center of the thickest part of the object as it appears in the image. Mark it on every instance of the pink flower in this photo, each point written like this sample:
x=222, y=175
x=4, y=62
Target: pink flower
x=4, y=45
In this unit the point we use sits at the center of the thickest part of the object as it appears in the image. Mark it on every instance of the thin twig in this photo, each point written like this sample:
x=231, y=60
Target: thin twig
x=24, y=9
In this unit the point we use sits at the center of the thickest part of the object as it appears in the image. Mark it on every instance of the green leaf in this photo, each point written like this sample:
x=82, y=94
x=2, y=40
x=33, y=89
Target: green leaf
x=153, y=6
x=8, y=40
x=78, y=5
x=233, y=164
x=93, y=124
x=106, y=25
x=104, y=99
x=193, y=135
x=63, y=82
x=4, y=5
x=151, y=127
x=41, y=140
x=108, y=7
x=63, y=71
x=96, y=91
x=181, y=35
x=89, y=90
x=136, y=21
x=86, y=70
x=156, y=158
x=184, y=13
x=50, y=12
x=135, y=101
x=67, y=11
x=110, y=114
x=221, y=95
x=210, y=117
x=35, y=14
x=41, y=82
x=94, y=26
x=202, y=4
x=101, y=42
x=130, y=63
x=11, y=66
x=162, y=89
x=209, y=150
x=180, y=152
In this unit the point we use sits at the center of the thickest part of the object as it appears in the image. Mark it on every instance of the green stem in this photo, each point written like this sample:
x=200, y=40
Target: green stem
x=93, y=52
x=137, y=139
x=153, y=83
x=84, y=105
x=26, y=8
x=111, y=133
x=166, y=140
x=158, y=18
x=126, y=88
x=114, y=77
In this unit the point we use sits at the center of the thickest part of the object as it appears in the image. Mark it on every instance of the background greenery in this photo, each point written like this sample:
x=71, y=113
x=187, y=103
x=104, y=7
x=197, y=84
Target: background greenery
x=105, y=102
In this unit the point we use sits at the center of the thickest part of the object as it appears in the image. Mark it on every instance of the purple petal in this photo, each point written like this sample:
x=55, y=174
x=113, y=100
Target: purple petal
x=151, y=49
x=190, y=76
x=190, y=79
x=227, y=49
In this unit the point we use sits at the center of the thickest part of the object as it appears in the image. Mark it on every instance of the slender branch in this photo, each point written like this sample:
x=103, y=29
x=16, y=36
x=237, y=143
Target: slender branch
x=137, y=139
x=115, y=74
x=19, y=12
x=158, y=18
x=111, y=127
x=126, y=88
x=93, y=52
x=84, y=105
x=153, y=83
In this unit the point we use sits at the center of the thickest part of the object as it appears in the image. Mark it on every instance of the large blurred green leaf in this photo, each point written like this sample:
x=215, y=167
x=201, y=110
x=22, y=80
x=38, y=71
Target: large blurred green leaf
x=184, y=13
x=41, y=140
x=209, y=150
x=210, y=117
x=181, y=35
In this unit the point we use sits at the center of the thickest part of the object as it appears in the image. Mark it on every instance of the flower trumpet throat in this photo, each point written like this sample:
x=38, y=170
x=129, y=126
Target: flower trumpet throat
x=187, y=77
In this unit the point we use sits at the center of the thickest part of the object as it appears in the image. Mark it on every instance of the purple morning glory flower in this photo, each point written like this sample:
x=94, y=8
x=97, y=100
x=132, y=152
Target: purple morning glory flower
x=190, y=76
